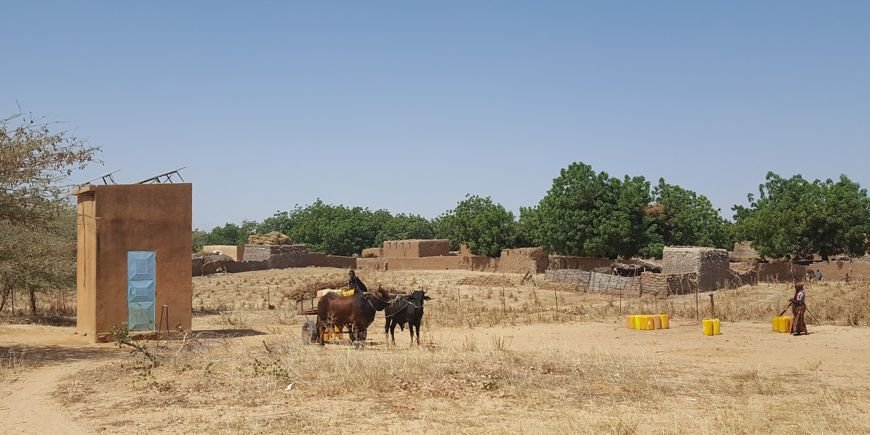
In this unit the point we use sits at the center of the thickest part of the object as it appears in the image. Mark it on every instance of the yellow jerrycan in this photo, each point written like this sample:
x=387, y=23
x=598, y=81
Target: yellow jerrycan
x=707, y=325
x=665, y=320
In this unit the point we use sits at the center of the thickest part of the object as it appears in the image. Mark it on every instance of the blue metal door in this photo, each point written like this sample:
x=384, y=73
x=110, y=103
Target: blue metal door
x=141, y=274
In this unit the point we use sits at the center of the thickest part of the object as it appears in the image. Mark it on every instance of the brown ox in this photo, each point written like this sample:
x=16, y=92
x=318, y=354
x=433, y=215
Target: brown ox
x=355, y=312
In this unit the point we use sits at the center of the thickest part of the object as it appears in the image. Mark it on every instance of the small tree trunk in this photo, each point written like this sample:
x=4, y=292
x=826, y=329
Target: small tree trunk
x=32, y=302
x=7, y=290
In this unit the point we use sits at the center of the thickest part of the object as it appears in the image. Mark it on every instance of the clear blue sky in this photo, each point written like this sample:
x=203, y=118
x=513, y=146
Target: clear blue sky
x=408, y=106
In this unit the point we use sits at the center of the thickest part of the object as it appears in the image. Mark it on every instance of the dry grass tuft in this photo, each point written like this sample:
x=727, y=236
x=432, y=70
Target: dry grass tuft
x=12, y=363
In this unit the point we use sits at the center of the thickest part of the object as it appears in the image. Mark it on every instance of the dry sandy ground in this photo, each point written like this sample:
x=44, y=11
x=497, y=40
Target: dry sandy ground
x=835, y=359
x=497, y=358
x=34, y=360
x=842, y=354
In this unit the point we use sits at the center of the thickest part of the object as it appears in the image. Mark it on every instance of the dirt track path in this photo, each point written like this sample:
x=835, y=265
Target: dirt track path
x=26, y=406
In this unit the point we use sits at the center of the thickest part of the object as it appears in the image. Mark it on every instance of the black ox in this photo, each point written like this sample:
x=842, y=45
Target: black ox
x=405, y=309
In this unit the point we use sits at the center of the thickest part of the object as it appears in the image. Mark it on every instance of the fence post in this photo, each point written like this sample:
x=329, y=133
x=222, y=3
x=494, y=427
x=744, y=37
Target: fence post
x=712, y=307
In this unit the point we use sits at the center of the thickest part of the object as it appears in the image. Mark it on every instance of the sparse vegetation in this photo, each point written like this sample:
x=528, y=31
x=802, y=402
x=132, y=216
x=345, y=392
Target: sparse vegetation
x=574, y=369
x=454, y=384
x=121, y=336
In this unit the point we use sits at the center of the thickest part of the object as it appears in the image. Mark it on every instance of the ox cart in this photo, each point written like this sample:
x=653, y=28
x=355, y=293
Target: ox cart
x=307, y=307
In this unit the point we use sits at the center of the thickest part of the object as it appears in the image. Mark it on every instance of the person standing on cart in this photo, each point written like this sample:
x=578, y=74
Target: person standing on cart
x=353, y=282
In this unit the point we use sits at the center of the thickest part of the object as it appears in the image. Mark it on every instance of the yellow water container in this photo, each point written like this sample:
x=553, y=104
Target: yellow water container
x=666, y=321
x=347, y=292
x=782, y=324
x=708, y=326
x=650, y=323
x=636, y=321
x=629, y=321
x=657, y=322
x=716, y=327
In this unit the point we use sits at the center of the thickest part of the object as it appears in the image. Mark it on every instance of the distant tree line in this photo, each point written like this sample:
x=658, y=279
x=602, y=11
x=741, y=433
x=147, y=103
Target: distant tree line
x=589, y=213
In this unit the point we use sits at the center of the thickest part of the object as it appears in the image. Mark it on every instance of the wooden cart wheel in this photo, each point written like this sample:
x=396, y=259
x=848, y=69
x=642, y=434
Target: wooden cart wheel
x=309, y=332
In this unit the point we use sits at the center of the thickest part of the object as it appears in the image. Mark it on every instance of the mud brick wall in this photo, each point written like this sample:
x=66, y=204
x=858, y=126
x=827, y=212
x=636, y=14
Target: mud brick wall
x=372, y=253
x=265, y=252
x=415, y=248
x=780, y=271
x=663, y=285
x=236, y=252
x=285, y=257
x=322, y=260
x=523, y=260
x=710, y=264
x=246, y=266
x=858, y=270
x=479, y=263
x=426, y=263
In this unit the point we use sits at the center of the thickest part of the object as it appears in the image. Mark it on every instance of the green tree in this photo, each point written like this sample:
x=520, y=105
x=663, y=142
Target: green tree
x=591, y=214
x=403, y=227
x=846, y=224
x=682, y=217
x=230, y=234
x=526, y=227
x=485, y=226
x=280, y=222
x=797, y=217
x=342, y=230
x=198, y=237
x=332, y=229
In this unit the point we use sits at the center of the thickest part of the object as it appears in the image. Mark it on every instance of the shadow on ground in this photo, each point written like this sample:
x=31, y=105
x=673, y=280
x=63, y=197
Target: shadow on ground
x=39, y=320
x=48, y=354
x=227, y=333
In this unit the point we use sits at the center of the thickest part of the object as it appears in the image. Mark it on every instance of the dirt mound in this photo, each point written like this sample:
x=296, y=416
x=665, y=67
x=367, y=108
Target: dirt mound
x=273, y=238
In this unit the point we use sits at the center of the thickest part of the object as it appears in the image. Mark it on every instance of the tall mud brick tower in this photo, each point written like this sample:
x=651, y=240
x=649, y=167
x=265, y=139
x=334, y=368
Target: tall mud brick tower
x=133, y=261
x=710, y=265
